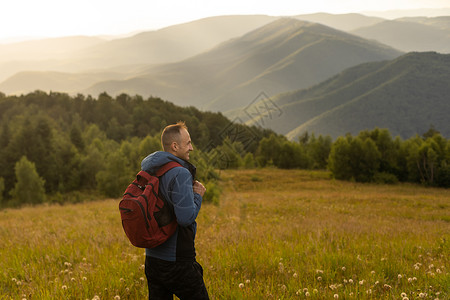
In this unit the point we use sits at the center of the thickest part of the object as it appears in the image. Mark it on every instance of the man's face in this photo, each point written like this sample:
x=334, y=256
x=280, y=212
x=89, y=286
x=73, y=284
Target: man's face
x=184, y=146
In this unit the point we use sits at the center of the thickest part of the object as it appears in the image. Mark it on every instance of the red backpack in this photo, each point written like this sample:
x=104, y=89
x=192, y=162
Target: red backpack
x=147, y=218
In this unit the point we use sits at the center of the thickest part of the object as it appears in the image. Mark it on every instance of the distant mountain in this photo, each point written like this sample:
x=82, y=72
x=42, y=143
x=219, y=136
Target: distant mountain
x=284, y=55
x=406, y=95
x=344, y=22
x=401, y=13
x=408, y=36
x=172, y=43
x=24, y=82
x=438, y=22
x=45, y=54
x=82, y=54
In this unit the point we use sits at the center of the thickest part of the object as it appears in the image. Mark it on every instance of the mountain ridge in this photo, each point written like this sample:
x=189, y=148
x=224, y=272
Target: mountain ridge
x=406, y=95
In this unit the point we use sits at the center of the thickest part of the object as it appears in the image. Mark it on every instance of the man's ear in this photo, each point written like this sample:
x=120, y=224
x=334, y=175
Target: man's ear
x=174, y=146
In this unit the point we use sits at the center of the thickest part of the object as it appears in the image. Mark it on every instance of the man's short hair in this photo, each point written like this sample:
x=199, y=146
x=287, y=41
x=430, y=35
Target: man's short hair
x=172, y=134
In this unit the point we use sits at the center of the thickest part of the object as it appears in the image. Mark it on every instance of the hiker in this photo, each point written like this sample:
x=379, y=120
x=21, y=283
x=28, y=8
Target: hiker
x=171, y=268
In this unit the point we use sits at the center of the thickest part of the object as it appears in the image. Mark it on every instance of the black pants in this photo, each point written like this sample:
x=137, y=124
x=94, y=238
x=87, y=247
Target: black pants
x=166, y=278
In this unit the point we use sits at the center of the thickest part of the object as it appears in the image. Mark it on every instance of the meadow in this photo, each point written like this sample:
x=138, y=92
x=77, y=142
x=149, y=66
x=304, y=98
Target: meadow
x=276, y=234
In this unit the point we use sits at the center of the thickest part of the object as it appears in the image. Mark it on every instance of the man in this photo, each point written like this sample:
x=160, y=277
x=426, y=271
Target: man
x=171, y=268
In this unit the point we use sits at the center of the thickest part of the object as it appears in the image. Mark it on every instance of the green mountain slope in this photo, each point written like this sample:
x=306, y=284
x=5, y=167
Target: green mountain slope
x=284, y=55
x=406, y=95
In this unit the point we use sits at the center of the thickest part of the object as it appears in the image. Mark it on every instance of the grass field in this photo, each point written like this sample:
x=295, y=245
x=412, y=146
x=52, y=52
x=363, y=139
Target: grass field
x=276, y=234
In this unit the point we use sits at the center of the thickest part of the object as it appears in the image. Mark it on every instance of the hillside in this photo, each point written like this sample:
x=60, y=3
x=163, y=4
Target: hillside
x=284, y=55
x=409, y=36
x=406, y=95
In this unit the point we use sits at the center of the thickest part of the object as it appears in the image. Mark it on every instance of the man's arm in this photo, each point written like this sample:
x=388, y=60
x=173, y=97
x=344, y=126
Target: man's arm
x=186, y=197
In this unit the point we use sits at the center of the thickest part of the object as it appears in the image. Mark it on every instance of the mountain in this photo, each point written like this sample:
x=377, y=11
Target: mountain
x=81, y=54
x=344, y=22
x=408, y=36
x=284, y=55
x=401, y=13
x=406, y=95
x=172, y=43
x=438, y=22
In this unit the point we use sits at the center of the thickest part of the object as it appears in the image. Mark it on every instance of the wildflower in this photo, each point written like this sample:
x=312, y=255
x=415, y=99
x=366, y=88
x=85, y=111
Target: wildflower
x=241, y=285
x=431, y=266
x=19, y=282
x=294, y=275
x=410, y=280
x=332, y=287
x=84, y=259
x=64, y=287
x=117, y=297
x=351, y=294
x=14, y=279
x=121, y=279
x=72, y=279
x=387, y=286
x=247, y=281
x=336, y=296
x=315, y=291
x=372, y=272
x=377, y=282
x=84, y=278
x=343, y=269
x=421, y=295
x=319, y=271
x=345, y=280
x=438, y=271
x=361, y=282
x=283, y=288
x=350, y=281
x=305, y=290
x=403, y=295
x=399, y=276
x=405, y=298
x=369, y=291
x=319, y=278
x=142, y=267
x=281, y=267
x=307, y=294
x=414, y=278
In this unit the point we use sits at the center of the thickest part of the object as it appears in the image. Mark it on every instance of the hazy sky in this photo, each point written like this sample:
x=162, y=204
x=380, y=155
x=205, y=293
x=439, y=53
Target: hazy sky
x=50, y=18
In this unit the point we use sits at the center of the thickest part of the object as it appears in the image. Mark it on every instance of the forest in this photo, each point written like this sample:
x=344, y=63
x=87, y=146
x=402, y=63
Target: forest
x=59, y=148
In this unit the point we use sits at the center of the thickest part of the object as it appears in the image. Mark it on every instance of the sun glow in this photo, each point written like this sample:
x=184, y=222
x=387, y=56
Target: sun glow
x=51, y=18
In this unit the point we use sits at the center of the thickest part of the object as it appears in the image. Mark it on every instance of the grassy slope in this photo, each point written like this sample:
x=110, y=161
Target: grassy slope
x=276, y=233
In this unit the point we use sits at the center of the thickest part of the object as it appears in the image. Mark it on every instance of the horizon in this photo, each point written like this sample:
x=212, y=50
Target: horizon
x=99, y=18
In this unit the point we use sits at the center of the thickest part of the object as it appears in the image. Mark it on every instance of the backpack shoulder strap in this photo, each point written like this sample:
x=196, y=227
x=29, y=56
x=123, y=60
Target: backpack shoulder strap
x=167, y=167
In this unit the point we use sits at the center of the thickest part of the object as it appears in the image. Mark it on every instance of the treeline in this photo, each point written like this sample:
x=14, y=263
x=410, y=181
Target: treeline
x=372, y=156
x=58, y=148
x=73, y=144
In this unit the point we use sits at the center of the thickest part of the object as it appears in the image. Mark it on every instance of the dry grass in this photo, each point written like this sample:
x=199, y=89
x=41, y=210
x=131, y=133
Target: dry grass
x=276, y=234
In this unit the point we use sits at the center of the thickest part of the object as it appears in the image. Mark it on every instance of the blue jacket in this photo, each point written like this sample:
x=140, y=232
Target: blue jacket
x=176, y=187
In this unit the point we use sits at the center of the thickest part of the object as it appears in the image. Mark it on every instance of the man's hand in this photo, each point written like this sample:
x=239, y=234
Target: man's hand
x=199, y=188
